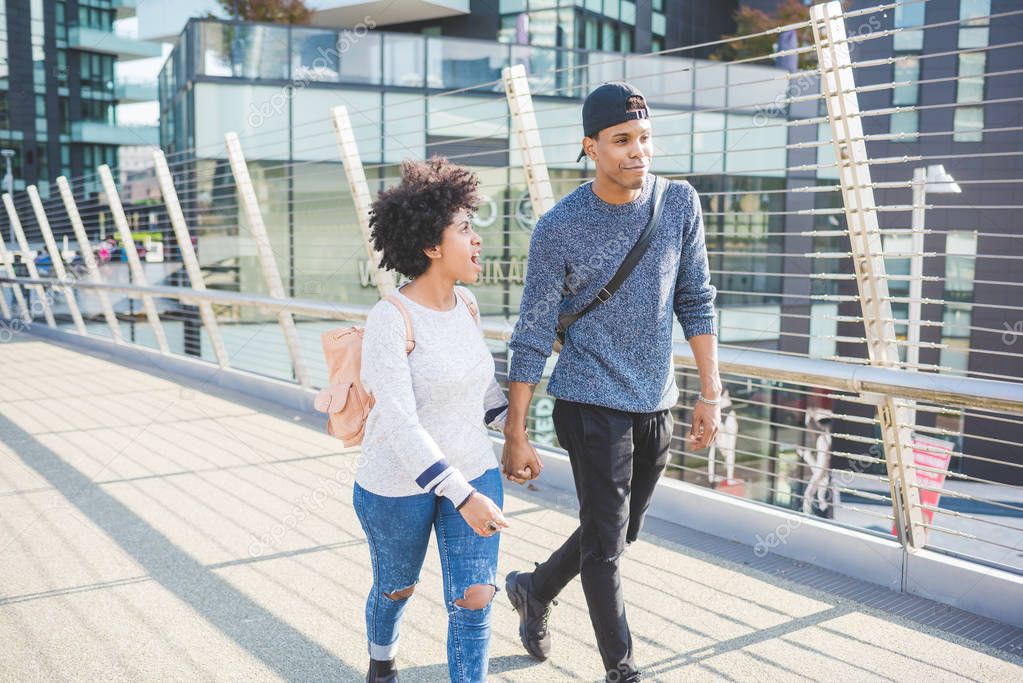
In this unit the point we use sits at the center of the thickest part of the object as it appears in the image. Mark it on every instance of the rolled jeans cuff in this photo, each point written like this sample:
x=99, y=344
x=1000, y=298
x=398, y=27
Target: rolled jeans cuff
x=383, y=653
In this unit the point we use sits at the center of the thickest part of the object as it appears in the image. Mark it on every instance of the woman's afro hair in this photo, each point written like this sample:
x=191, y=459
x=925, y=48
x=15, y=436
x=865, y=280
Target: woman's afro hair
x=409, y=218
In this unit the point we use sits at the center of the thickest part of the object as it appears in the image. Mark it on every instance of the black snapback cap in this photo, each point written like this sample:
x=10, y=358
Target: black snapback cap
x=610, y=104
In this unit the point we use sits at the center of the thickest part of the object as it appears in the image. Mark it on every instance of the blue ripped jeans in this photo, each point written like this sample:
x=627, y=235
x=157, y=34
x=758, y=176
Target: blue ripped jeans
x=398, y=531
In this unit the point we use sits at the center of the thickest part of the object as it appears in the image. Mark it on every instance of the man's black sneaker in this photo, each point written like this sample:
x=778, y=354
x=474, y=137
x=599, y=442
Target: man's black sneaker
x=533, y=614
x=381, y=672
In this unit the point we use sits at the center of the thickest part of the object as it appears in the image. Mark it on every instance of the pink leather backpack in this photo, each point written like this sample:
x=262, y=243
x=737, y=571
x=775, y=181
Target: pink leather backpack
x=345, y=401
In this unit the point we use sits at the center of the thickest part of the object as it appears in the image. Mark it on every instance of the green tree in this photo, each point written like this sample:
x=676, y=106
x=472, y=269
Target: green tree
x=749, y=21
x=274, y=11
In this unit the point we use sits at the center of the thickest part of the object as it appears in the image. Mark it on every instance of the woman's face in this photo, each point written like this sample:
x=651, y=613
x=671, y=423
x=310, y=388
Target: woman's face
x=458, y=253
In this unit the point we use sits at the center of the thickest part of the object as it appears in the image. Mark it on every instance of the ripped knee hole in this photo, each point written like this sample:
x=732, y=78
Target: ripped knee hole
x=477, y=596
x=402, y=594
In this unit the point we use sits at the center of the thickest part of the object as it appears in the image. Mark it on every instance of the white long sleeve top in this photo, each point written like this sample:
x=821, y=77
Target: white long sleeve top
x=427, y=430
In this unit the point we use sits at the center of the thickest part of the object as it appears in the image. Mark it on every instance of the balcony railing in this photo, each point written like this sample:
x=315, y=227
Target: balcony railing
x=96, y=40
x=359, y=56
x=113, y=134
x=135, y=91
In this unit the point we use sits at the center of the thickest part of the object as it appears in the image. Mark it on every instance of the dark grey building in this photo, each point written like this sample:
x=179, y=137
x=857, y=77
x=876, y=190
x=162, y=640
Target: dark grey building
x=606, y=25
x=961, y=83
x=58, y=92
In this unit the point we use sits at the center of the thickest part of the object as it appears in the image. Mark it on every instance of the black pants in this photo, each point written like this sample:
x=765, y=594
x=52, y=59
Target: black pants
x=617, y=458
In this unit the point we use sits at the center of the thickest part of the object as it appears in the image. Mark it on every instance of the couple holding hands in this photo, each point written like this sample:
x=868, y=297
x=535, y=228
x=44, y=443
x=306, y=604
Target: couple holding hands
x=609, y=267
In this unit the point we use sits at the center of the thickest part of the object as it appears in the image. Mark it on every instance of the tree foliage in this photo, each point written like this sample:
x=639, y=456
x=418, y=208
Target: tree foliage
x=274, y=11
x=749, y=21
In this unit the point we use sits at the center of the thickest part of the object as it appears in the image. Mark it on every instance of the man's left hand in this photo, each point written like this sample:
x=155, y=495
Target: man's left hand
x=706, y=420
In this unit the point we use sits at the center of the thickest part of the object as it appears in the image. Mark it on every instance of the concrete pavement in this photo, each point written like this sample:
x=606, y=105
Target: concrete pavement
x=151, y=530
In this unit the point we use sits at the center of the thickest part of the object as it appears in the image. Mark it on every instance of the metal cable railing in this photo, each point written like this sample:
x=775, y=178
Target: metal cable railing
x=757, y=143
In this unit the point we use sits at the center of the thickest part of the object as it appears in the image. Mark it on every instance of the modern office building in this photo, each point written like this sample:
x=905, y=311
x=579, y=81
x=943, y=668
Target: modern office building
x=274, y=86
x=58, y=91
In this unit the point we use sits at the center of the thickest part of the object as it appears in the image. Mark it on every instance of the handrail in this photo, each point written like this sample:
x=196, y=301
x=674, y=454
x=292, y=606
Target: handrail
x=828, y=374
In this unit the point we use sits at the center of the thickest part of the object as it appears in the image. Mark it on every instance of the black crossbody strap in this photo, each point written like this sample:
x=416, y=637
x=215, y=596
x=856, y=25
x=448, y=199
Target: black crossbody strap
x=631, y=259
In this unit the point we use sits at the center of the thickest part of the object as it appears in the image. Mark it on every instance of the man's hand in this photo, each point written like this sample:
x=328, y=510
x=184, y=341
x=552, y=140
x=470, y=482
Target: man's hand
x=519, y=459
x=706, y=420
x=706, y=417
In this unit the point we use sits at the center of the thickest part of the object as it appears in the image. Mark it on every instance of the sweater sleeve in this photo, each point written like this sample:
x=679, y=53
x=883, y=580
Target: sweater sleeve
x=536, y=329
x=387, y=375
x=694, y=295
x=495, y=404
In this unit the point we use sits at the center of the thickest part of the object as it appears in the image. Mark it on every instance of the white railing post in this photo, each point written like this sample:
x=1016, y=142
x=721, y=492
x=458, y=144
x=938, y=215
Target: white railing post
x=131, y=253
x=184, y=239
x=272, y=276
x=28, y=260
x=88, y=257
x=916, y=271
x=894, y=416
x=357, y=185
x=55, y=257
x=527, y=134
x=5, y=310
x=8, y=263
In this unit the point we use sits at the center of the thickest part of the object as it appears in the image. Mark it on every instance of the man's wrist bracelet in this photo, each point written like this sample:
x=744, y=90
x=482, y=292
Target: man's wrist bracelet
x=712, y=402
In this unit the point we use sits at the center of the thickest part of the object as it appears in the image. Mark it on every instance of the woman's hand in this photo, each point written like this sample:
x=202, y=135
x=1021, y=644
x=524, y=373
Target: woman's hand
x=483, y=515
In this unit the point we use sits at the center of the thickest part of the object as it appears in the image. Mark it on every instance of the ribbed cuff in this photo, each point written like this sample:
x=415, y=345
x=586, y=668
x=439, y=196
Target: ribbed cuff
x=694, y=328
x=496, y=418
x=526, y=366
x=455, y=488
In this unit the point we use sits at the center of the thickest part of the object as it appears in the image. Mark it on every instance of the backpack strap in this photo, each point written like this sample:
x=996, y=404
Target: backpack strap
x=467, y=300
x=410, y=341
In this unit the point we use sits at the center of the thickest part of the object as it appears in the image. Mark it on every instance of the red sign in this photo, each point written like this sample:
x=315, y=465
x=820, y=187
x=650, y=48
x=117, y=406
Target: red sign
x=934, y=455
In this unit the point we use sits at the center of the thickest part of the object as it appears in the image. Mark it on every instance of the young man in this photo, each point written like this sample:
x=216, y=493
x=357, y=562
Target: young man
x=614, y=380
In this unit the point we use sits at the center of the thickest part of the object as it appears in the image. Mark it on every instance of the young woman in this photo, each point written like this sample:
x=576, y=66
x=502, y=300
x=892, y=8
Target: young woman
x=427, y=461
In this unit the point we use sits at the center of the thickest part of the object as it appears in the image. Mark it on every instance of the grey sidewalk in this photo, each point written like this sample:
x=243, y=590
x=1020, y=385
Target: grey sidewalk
x=150, y=530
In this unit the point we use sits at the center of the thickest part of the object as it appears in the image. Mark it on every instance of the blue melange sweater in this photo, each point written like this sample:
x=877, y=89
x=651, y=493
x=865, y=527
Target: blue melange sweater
x=618, y=355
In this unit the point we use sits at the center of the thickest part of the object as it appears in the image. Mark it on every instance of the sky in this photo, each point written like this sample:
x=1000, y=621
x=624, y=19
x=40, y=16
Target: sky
x=140, y=70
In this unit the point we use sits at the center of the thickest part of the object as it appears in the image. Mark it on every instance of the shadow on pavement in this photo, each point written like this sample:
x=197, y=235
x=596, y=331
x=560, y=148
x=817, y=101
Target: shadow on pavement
x=282, y=648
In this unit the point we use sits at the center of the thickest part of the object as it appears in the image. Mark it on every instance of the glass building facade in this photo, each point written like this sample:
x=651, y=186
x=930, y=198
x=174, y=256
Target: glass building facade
x=274, y=87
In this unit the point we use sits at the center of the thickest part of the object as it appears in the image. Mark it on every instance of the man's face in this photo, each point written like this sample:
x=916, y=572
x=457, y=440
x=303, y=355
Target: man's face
x=623, y=153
